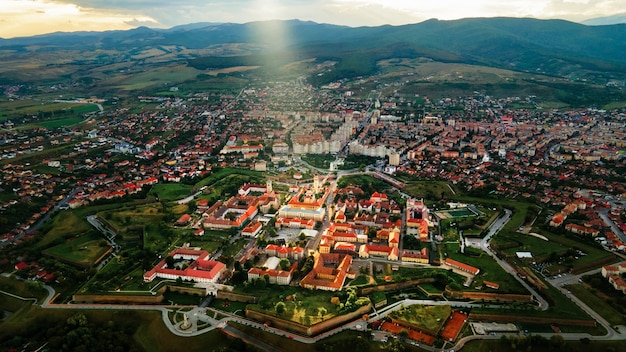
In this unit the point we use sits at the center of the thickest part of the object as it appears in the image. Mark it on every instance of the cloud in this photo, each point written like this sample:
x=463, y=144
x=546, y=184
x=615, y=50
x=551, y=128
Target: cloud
x=147, y=22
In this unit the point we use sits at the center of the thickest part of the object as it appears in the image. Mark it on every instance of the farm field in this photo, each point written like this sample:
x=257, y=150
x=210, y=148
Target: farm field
x=46, y=110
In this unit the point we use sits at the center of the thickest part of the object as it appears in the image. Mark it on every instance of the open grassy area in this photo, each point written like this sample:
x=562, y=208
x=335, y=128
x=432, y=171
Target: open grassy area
x=597, y=304
x=570, y=346
x=221, y=173
x=170, y=191
x=321, y=161
x=301, y=305
x=367, y=183
x=134, y=216
x=430, y=289
x=360, y=280
x=229, y=306
x=83, y=250
x=431, y=190
x=592, y=254
x=66, y=223
x=22, y=289
x=560, y=306
x=429, y=318
x=489, y=269
x=539, y=248
x=47, y=110
x=68, y=121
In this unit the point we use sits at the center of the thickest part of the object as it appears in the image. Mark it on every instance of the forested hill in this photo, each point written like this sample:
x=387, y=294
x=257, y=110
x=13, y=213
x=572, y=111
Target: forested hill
x=553, y=47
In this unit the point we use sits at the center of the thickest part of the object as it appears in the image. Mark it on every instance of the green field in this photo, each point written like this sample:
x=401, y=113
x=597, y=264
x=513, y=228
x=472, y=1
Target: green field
x=60, y=122
x=301, y=305
x=143, y=330
x=46, y=110
x=22, y=289
x=585, y=294
x=539, y=248
x=320, y=161
x=360, y=280
x=429, y=318
x=66, y=223
x=570, y=346
x=170, y=191
x=431, y=190
x=134, y=216
x=83, y=250
x=489, y=269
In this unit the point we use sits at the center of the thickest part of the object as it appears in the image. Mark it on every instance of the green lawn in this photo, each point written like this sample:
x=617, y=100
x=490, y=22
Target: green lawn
x=84, y=250
x=360, y=280
x=432, y=190
x=321, y=161
x=489, y=269
x=68, y=121
x=593, y=254
x=134, y=216
x=570, y=346
x=560, y=306
x=430, y=288
x=170, y=191
x=220, y=173
x=597, y=304
x=304, y=306
x=21, y=288
x=66, y=223
x=430, y=318
x=538, y=247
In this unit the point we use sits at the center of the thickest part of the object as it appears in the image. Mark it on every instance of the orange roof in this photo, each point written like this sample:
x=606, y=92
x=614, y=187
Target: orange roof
x=462, y=266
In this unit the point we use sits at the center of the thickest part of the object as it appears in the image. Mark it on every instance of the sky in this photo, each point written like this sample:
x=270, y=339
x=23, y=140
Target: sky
x=30, y=17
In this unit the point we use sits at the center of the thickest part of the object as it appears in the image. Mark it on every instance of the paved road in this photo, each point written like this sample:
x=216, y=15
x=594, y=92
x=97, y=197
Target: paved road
x=483, y=244
x=202, y=320
x=604, y=215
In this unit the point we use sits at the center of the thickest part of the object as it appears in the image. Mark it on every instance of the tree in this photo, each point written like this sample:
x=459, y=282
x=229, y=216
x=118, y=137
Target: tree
x=169, y=261
x=323, y=311
x=77, y=320
x=284, y=264
x=557, y=341
x=280, y=308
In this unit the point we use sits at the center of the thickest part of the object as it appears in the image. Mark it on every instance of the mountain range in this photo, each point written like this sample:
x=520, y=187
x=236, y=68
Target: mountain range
x=553, y=47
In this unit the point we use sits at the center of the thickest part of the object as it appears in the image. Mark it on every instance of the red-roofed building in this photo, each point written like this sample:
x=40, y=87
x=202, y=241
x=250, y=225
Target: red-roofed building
x=295, y=253
x=252, y=229
x=278, y=277
x=329, y=272
x=297, y=223
x=614, y=275
x=491, y=285
x=367, y=250
x=183, y=220
x=199, y=269
x=416, y=256
x=462, y=266
x=21, y=265
x=378, y=197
